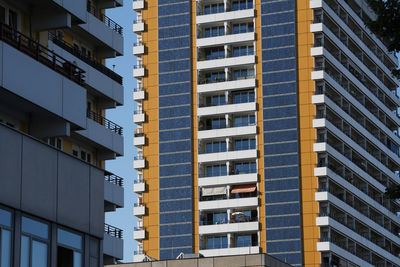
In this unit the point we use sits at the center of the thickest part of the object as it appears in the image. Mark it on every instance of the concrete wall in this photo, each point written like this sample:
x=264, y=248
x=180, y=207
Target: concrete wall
x=94, y=78
x=75, y=7
x=37, y=83
x=48, y=183
x=114, y=194
x=113, y=246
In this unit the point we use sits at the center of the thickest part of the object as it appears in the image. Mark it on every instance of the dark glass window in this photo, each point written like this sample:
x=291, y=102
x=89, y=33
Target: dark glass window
x=2, y=14
x=34, y=243
x=244, y=120
x=13, y=19
x=243, y=97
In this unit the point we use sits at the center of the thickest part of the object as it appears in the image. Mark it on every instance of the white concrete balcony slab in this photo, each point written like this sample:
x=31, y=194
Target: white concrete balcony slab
x=139, y=187
x=229, y=155
x=229, y=251
x=139, y=95
x=139, y=118
x=138, y=50
x=138, y=5
x=139, y=257
x=225, y=16
x=139, y=234
x=228, y=228
x=138, y=72
x=139, y=210
x=139, y=164
x=228, y=132
x=317, y=75
x=139, y=141
x=227, y=86
x=229, y=179
x=226, y=39
x=138, y=26
x=226, y=109
x=226, y=62
x=328, y=246
x=228, y=203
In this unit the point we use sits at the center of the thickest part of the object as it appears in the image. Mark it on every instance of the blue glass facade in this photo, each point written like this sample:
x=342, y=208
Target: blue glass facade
x=175, y=126
x=280, y=124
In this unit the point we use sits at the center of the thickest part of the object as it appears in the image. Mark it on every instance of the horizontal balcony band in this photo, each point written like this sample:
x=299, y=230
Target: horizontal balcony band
x=105, y=122
x=227, y=85
x=228, y=180
x=226, y=62
x=228, y=39
x=227, y=132
x=225, y=16
x=226, y=109
x=113, y=231
x=103, y=18
x=228, y=203
x=229, y=228
x=229, y=155
x=230, y=251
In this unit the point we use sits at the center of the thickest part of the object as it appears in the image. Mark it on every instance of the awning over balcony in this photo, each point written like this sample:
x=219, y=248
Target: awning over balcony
x=213, y=191
x=244, y=188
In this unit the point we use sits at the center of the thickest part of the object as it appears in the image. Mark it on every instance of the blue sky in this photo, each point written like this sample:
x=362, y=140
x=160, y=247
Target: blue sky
x=123, y=166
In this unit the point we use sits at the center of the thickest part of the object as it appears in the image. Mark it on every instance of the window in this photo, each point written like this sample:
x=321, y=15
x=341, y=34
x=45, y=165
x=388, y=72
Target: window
x=246, y=120
x=215, y=123
x=55, y=142
x=243, y=97
x=69, y=249
x=242, y=4
x=245, y=167
x=243, y=74
x=215, y=100
x=214, y=242
x=34, y=243
x=215, y=77
x=245, y=144
x=5, y=238
x=215, y=53
x=243, y=27
x=214, y=31
x=215, y=147
x=215, y=170
x=81, y=153
x=246, y=50
x=2, y=15
x=214, y=8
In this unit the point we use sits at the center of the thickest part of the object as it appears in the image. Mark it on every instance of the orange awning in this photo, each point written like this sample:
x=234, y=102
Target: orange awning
x=244, y=188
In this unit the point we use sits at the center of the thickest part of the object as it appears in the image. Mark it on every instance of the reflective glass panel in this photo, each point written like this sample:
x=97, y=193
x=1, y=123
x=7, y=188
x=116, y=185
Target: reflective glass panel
x=69, y=239
x=77, y=259
x=39, y=254
x=34, y=227
x=5, y=248
x=5, y=217
x=24, y=251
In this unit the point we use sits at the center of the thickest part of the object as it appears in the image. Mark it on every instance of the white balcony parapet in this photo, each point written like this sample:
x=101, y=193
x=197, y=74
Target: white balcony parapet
x=229, y=179
x=227, y=86
x=328, y=246
x=225, y=39
x=139, y=210
x=138, y=26
x=139, y=118
x=229, y=155
x=139, y=95
x=138, y=50
x=139, y=187
x=139, y=234
x=225, y=16
x=139, y=140
x=139, y=164
x=230, y=251
x=228, y=132
x=226, y=109
x=226, y=62
x=228, y=203
x=138, y=4
x=229, y=228
x=139, y=257
x=138, y=72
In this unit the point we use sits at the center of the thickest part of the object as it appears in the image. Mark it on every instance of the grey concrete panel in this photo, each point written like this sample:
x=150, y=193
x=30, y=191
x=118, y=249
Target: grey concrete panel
x=118, y=42
x=39, y=179
x=253, y=260
x=73, y=193
x=1, y=63
x=76, y=7
x=118, y=92
x=118, y=143
x=234, y=261
x=10, y=166
x=205, y=262
x=74, y=102
x=159, y=264
x=96, y=202
x=114, y=194
x=113, y=246
x=182, y=263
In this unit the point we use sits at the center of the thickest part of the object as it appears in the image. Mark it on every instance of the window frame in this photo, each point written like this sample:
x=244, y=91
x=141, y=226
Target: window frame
x=11, y=230
x=73, y=249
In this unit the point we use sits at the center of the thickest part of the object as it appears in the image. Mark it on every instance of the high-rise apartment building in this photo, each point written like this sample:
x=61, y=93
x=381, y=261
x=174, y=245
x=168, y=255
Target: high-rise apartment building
x=265, y=126
x=54, y=136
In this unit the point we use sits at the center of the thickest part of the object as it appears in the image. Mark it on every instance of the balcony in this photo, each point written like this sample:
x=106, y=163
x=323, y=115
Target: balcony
x=228, y=39
x=139, y=186
x=224, y=85
x=227, y=132
x=139, y=210
x=228, y=203
x=226, y=109
x=226, y=62
x=231, y=227
x=138, y=71
x=113, y=192
x=139, y=163
x=138, y=49
x=105, y=122
x=225, y=16
x=139, y=234
x=229, y=155
x=139, y=117
x=138, y=26
x=138, y=5
x=113, y=179
x=113, y=243
x=230, y=251
x=139, y=94
x=103, y=18
x=139, y=139
x=228, y=180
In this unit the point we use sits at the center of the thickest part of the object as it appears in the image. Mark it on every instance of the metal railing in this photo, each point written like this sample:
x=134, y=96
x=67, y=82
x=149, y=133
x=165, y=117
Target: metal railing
x=114, y=179
x=113, y=231
x=106, y=20
x=41, y=53
x=88, y=60
x=105, y=122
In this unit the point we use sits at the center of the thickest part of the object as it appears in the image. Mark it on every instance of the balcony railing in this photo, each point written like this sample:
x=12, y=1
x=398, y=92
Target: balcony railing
x=113, y=231
x=98, y=66
x=223, y=79
x=41, y=53
x=105, y=122
x=106, y=20
x=225, y=221
x=114, y=179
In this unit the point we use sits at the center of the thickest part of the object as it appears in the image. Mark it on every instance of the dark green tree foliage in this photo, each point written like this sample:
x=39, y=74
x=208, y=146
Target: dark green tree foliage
x=387, y=27
x=387, y=24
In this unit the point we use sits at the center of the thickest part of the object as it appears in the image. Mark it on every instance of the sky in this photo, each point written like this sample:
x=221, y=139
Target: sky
x=123, y=116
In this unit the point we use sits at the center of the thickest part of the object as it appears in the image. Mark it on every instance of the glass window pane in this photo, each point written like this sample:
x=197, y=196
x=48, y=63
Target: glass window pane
x=223, y=146
x=250, y=50
x=207, y=10
x=250, y=4
x=77, y=259
x=214, y=31
x=69, y=239
x=215, y=147
x=243, y=98
x=243, y=50
x=243, y=27
x=221, y=31
x=2, y=14
x=238, y=144
x=250, y=27
x=39, y=254
x=236, y=51
x=252, y=119
x=207, y=32
x=209, y=171
x=34, y=227
x=253, y=167
x=251, y=97
x=252, y=143
x=236, y=28
x=208, y=148
x=245, y=144
x=5, y=248
x=242, y=4
x=24, y=251
x=5, y=217
x=235, y=5
x=223, y=170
